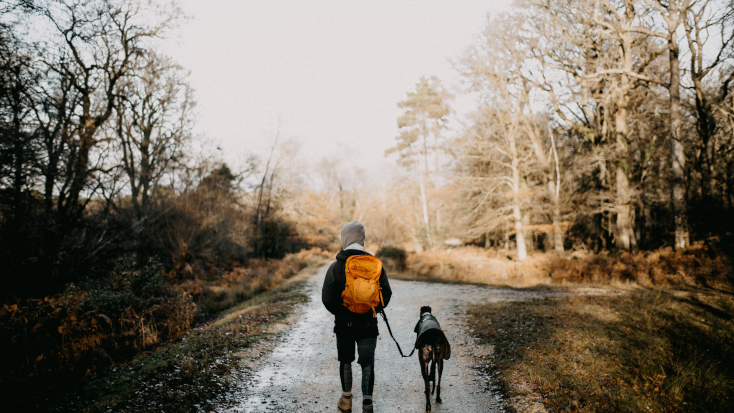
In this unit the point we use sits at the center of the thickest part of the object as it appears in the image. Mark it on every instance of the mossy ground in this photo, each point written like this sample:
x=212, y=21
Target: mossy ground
x=638, y=350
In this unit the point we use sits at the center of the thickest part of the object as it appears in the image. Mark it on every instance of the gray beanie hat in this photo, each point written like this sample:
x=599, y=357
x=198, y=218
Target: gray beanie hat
x=352, y=232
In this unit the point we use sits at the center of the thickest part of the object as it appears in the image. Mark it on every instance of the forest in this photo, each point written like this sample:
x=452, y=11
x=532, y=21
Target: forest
x=601, y=150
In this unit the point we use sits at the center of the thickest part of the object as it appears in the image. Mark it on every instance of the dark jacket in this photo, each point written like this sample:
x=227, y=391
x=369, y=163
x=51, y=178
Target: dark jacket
x=428, y=328
x=345, y=321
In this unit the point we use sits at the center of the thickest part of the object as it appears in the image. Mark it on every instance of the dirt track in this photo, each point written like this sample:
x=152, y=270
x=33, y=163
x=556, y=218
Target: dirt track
x=302, y=375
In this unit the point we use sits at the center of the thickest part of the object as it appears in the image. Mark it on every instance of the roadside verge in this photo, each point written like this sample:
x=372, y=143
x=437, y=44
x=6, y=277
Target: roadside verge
x=187, y=374
x=644, y=350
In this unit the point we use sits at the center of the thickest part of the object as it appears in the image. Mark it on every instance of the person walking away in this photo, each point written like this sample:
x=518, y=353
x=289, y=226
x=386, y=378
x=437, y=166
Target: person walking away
x=355, y=304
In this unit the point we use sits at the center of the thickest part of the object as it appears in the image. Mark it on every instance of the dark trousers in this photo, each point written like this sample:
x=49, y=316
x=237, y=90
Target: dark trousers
x=365, y=348
x=345, y=352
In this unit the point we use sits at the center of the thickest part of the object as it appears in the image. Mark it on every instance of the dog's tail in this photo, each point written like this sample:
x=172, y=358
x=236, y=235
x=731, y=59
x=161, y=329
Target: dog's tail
x=432, y=375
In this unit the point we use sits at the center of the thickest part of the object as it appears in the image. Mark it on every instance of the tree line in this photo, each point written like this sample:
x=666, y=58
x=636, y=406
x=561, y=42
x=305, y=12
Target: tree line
x=600, y=125
x=98, y=157
x=119, y=228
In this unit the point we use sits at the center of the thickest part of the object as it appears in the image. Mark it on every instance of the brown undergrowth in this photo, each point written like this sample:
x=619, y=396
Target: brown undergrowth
x=52, y=345
x=644, y=350
x=702, y=265
x=214, y=290
x=193, y=372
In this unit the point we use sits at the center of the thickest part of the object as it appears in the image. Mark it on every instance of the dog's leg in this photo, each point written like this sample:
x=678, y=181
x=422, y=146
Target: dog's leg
x=433, y=373
x=425, y=357
x=438, y=379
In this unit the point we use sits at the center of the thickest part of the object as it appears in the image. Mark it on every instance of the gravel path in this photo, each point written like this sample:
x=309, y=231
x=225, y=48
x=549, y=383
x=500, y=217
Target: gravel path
x=302, y=374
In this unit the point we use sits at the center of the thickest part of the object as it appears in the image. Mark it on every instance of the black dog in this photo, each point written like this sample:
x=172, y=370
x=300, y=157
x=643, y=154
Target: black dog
x=433, y=348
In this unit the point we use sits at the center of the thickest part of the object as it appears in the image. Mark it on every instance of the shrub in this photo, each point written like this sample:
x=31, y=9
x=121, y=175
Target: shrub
x=92, y=325
x=394, y=257
x=242, y=283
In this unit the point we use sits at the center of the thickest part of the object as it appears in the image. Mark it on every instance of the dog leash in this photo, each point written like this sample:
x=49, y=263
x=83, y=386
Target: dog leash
x=384, y=317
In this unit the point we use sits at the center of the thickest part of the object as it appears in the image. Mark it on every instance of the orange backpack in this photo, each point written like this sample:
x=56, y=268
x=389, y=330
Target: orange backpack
x=362, y=291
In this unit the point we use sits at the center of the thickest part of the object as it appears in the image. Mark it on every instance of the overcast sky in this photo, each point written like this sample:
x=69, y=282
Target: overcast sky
x=331, y=71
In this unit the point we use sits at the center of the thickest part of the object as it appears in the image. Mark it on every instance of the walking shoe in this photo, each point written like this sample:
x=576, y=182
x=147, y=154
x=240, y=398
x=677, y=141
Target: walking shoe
x=345, y=404
x=367, y=408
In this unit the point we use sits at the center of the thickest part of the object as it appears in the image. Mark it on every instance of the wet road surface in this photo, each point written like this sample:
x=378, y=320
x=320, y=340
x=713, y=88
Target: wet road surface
x=302, y=373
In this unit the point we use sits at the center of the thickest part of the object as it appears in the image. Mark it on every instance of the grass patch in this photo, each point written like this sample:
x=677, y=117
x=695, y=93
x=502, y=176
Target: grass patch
x=412, y=277
x=188, y=374
x=642, y=350
x=703, y=265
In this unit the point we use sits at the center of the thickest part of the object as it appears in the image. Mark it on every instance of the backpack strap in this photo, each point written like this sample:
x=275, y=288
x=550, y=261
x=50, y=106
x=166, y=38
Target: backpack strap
x=374, y=312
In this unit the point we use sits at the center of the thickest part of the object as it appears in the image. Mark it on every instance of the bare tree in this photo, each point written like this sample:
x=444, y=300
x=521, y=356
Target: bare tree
x=18, y=78
x=98, y=43
x=153, y=124
x=497, y=159
x=55, y=101
x=340, y=180
x=279, y=178
x=566, y=52
x=501, y=137
x=629, y=58
x=704, y=20
x=596, y=43
x=672, y=14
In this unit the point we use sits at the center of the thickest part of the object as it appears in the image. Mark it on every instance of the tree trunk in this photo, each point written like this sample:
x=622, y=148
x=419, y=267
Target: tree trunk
x=51, y=172
x=259, y=212
x=49, y=180
x=623, y=197
x=697, y=36
x=622, y=137
x=435, y=150
x=425, y=205
x=678, y=160
x=424, y=183
x=18, y=175
x=71, y=205
x=641, y=223
x=633, y=218
x=555, y=190
x=519, y=236
x=557, y=230
x=706, y=126
x=528, y=236
x=145, y=168
x=80, y=173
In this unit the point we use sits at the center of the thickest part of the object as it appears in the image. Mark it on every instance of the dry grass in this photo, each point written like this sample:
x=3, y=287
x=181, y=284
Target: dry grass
x=662, y=341
x=646, y=350
x=699, y=266
x=477, y=265
x=214, y=291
